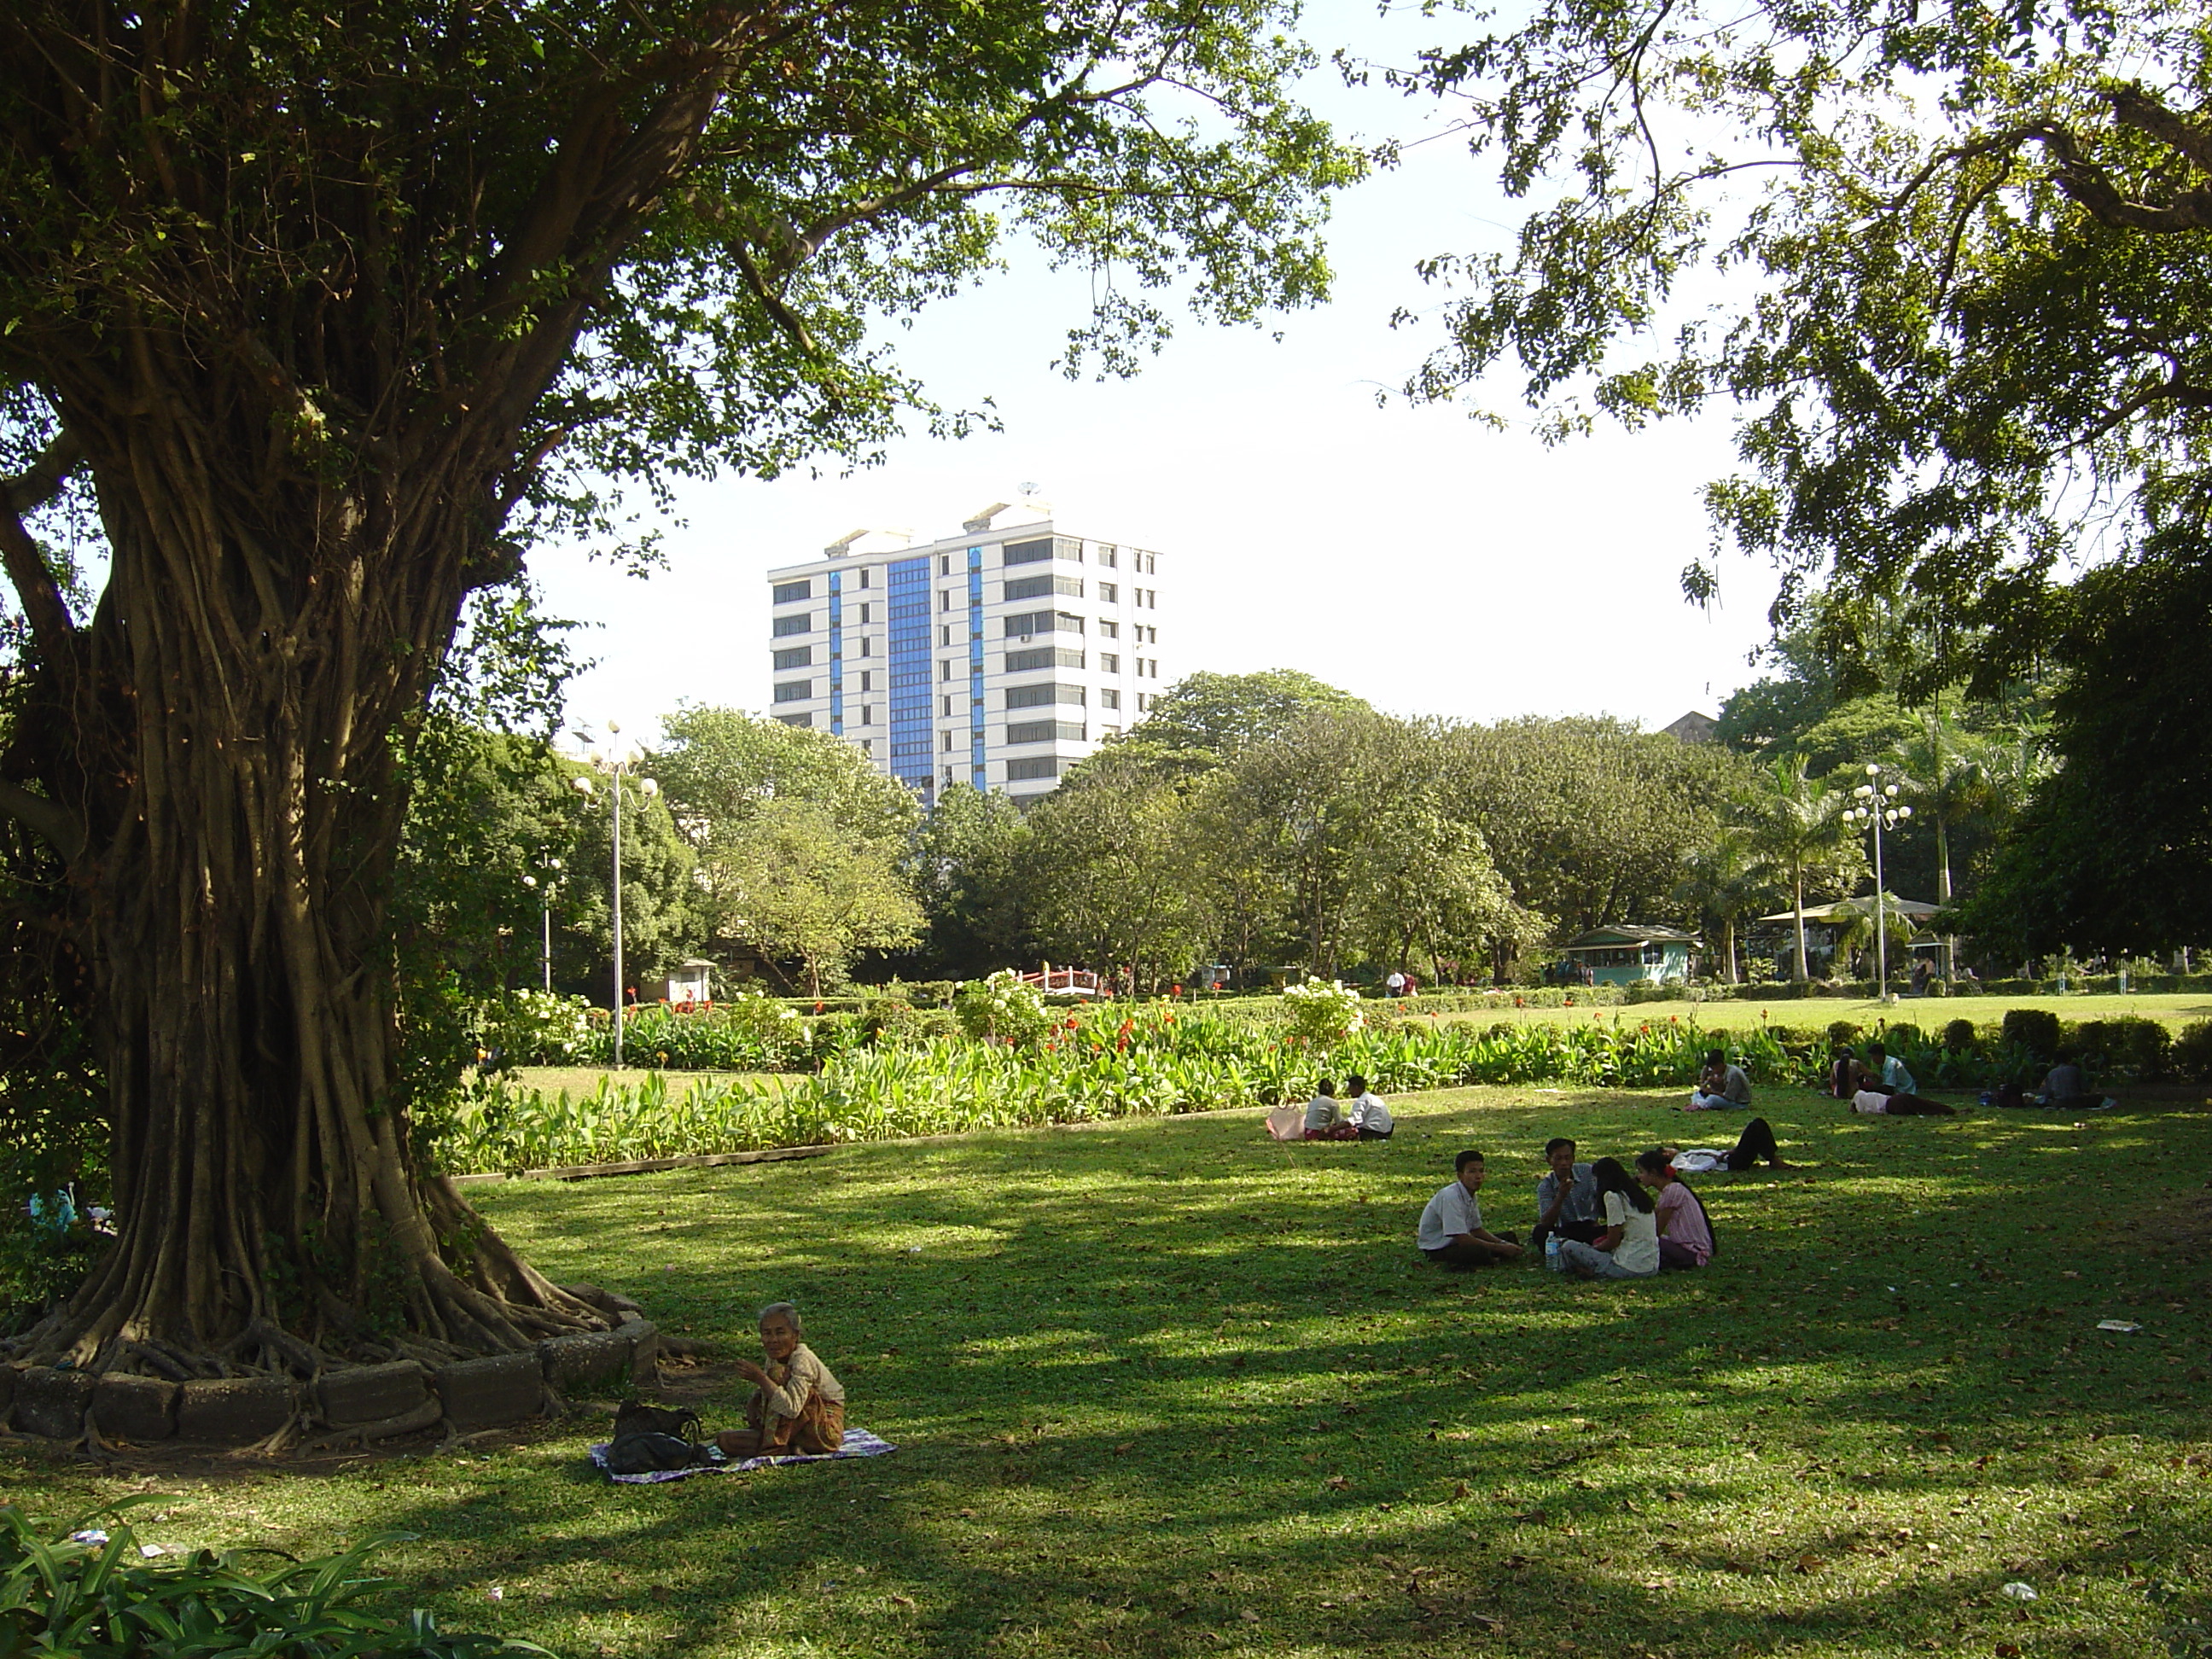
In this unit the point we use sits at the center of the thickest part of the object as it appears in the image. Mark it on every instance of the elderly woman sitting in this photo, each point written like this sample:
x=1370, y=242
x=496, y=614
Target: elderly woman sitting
x=797, y=1405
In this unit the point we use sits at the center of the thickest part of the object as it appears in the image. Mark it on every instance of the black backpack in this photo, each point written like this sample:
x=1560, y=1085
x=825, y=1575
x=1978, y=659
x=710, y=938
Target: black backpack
x=636, y=1417
x=648, y=1452
x=650, y=1438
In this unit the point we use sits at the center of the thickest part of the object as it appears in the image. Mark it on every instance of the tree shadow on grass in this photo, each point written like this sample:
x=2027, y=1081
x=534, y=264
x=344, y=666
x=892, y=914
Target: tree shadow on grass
x=1091, y=1329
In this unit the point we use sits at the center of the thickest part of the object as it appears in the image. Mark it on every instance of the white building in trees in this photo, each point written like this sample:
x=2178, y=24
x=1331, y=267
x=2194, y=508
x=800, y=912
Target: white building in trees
x=998, y=658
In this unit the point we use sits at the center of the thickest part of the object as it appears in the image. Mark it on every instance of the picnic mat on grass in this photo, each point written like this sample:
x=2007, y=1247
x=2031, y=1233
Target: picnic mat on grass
x=858, y=1443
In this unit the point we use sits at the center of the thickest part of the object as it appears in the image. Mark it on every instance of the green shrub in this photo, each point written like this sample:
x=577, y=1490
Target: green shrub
x=1004, y=1008
x=2036, y=1030
x=1904, y=1031
x=82, y=1591
x=1323, y=1013
x=1958, y=1035
x=2192, y=1051
x=1843, y=1033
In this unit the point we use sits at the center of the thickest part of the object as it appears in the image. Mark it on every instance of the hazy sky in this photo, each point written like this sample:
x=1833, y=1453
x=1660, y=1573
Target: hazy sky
x=1427, y=562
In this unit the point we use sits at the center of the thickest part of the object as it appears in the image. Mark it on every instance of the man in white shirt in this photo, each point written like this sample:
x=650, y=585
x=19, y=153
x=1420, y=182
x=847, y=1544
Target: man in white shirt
x=1366, y=1111
x=1451, y=1232
x=1396, y=983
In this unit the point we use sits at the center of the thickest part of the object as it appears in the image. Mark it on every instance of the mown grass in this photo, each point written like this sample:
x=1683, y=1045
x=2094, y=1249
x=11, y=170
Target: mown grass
x=1931, y=1014
x=1163, y=1387
x=579, y=1081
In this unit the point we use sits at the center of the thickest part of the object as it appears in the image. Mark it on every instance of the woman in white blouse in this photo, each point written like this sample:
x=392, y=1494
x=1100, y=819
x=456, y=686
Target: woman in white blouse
x=1629, y=1246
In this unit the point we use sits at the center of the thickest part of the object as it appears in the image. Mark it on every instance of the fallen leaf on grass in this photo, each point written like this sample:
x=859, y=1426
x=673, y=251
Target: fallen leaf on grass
x=1460, y=1491
x=1809, y=1563
x=898, y=1600
x=1338, y=1483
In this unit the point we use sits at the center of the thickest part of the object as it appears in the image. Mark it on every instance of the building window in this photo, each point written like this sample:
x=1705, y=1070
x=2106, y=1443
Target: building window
x=867, y=714
x=790, y=592
x=800, y=656
x=1110, y=594
x=1036, y=588
x=1107, y=733
x=868, y=747
x=1110, y=698
x=796, y=719
x=1026, y=552
x=864, y=645
x=1108, y=631
x=946, y=745
x=1045, y=766
x=793, y=690
x=787, y=626
x=1109, y=662
x=945, y=564
x=864, y=582
x=1022, y=662
x=945, y=635
x=1109, y=557
x=1042, y=697
x=1025, y=622
x=1045, y=732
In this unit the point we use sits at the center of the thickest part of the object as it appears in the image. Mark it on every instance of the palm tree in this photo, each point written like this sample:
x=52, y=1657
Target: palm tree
x=1723, y=881
x=1795, y=823
x=1951, y=772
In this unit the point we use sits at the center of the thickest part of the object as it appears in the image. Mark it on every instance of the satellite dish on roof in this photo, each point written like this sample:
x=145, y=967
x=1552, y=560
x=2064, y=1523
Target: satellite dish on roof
x=1028, y=490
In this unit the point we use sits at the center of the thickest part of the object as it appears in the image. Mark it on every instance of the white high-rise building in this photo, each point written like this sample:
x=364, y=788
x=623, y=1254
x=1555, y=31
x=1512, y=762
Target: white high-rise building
x=998, y=658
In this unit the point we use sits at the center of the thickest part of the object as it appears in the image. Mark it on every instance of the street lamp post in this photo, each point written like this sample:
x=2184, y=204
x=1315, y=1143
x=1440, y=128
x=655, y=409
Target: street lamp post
x=1876, y=803
x=551, y=867
x=618, y=765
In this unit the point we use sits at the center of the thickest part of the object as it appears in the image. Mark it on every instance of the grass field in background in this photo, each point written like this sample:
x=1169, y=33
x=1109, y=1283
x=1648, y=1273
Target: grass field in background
x=1931, y=1014
x=1163, y=1387
x=581, y=1080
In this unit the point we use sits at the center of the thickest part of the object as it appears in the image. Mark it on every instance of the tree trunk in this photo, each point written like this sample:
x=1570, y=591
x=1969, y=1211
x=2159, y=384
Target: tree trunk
x=1727, y=938
x=1797, y=896
x=242, y=806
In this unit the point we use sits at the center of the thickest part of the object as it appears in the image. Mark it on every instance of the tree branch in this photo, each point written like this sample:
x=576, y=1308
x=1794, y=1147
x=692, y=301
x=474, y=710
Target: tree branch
x=40, y=596
x=48, y=817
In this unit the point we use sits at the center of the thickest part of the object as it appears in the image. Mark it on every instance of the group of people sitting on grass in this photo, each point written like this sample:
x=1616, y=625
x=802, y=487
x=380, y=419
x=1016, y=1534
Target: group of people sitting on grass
x=1594, y=1220
x=1360, y=1116
x=1880, y=1084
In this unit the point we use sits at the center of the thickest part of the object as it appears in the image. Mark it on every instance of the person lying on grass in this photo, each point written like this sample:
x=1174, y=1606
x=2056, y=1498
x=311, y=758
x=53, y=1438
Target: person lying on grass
x=1720, y=1086
x=797, y=1405
x=1629, y=1246
x=1451, y=1232
x=1566, y=1197
x=1325, y=1120
x=1367, y=1114
x=1886, y=1088
x=1756, y=1145
x=1685, y=1234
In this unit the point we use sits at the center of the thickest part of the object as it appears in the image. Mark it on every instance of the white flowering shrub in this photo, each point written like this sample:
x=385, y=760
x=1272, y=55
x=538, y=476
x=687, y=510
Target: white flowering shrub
x=1324, y=1014
x=535, y=1027
x=1004, y=1008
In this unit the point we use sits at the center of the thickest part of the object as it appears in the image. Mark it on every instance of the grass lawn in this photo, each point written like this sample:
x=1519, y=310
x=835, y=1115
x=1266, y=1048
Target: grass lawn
x=1163, y=1387
x=578, y=1081
x=1931, y=1014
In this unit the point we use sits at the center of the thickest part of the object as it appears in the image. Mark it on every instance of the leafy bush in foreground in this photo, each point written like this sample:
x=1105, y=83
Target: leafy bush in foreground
x=91, y=1595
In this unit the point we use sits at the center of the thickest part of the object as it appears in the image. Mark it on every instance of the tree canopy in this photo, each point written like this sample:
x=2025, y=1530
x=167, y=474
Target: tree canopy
x=1951, y=262
x=311, y=325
